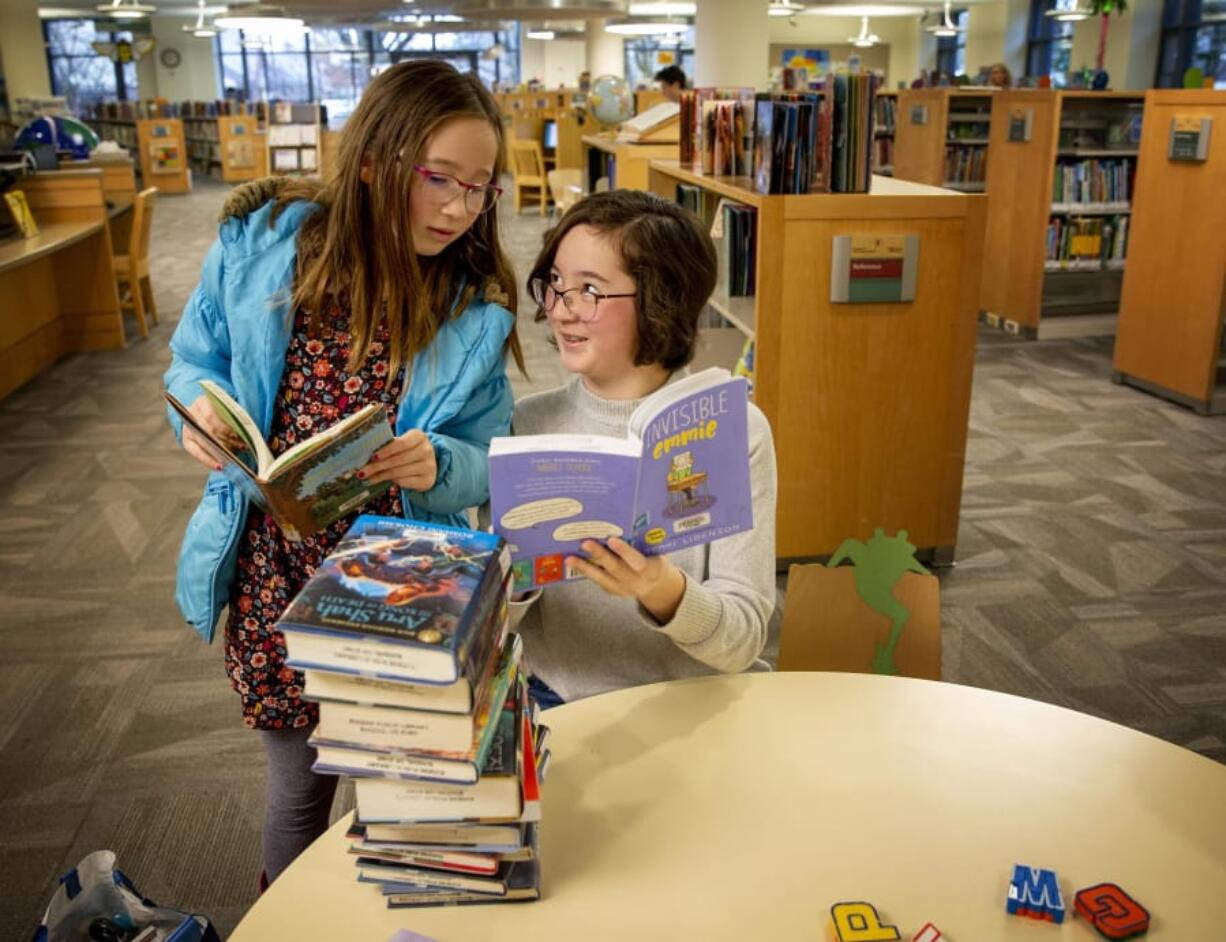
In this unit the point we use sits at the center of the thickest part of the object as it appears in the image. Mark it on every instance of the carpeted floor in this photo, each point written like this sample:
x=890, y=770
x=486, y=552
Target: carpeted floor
x=1092, y=574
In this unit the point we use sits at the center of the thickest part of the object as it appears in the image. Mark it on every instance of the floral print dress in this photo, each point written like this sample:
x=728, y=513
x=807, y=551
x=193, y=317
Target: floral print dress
x=316, y=391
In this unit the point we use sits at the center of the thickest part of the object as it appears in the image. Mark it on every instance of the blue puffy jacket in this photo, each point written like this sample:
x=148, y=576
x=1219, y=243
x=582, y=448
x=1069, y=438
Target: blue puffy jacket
x=235, y=331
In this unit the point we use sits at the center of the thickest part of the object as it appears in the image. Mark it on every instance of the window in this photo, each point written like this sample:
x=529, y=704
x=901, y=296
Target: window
x=647, y=55
x=1193, y=35
x=951, y=50
x=78, y=72
x=1050, y=48
x=334, y=65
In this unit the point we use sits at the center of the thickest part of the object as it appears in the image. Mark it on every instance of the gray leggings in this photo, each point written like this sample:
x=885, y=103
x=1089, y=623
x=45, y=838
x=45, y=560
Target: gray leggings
x=297, y=802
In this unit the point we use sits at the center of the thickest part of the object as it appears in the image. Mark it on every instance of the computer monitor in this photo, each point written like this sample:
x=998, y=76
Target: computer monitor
x=551, y=135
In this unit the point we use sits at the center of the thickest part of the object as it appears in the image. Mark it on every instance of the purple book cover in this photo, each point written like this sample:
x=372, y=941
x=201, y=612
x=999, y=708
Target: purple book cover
x=681, y=479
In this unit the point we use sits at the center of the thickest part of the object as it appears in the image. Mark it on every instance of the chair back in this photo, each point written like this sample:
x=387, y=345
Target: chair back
x=566, y=187
x=527, y=161
x=142, y=225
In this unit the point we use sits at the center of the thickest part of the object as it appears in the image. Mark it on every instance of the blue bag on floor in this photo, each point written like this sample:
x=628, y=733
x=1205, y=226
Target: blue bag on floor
x=95, y=902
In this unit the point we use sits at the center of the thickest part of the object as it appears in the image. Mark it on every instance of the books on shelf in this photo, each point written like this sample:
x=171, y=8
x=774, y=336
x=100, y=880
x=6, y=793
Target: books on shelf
x=716, y=135
x=966, y=164
x=738, y=243
x=1093, y=181
x=680, y=478
x=1086, y=244
x=311, y=484
x=434, y=826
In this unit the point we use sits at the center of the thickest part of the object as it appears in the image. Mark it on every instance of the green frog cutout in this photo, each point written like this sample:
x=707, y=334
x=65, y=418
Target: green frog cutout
x=880, y=562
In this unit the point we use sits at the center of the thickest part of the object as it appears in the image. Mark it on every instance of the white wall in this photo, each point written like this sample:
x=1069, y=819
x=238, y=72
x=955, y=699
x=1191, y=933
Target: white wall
x=532, y=60
x=1132, y=45
x=606, y=52
x=196, y=77
x=985, y=35
x=22, y=50
x=900, y=34
x=564, y=60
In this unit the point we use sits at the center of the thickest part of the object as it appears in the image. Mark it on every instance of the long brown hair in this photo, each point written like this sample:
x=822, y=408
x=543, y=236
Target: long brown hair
x=358, y=247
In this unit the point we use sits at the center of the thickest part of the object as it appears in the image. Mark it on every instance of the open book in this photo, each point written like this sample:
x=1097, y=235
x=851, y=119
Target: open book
x=654, y=119
x=680, y=478
x=311, y=484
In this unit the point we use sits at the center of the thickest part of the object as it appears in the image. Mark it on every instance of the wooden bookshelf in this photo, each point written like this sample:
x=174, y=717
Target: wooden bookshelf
x=1170, y=332
x=629, y=161
x=203, y=144
x=163, y=155
x=883, y=133
x=938, y=131
x=1023, y=291
x=238, y=148
x=868, y=403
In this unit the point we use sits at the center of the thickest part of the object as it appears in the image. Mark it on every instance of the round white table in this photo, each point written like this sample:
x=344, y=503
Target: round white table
x=744, y=807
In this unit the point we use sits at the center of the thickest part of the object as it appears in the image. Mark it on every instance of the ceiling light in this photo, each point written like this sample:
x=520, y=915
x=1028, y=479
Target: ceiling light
x=540, y=34
x=866, y=39
x=646, y=26
x=785, y=8
x=663, y=8
x=946, y=27
x=201, y=30
x=255, y=18
x=126, y=9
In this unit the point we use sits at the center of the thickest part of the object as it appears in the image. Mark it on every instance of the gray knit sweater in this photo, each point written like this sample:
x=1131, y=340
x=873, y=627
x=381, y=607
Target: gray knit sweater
x=582, y=641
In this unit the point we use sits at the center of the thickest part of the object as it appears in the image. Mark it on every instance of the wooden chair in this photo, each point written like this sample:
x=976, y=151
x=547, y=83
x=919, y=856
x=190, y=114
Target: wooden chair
x=133, y=269
x=565, y=187
x=528, y=169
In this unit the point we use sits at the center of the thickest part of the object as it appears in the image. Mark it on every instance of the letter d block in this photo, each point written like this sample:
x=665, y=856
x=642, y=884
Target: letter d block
x=1111, y=911
x=1035, y=892
x=859, y=922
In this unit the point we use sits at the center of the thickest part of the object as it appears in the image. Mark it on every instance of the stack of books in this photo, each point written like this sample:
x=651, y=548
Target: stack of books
x=401, y=635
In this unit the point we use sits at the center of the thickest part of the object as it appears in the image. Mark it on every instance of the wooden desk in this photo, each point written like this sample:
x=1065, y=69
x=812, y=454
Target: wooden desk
x=57, y=296
x=630, y=161
x=743, y=807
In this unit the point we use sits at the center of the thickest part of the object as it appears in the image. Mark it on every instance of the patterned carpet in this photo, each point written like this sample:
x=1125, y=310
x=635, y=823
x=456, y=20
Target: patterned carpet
x=1092, y=573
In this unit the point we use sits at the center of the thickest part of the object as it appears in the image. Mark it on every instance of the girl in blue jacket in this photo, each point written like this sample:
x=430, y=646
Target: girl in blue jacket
x=381, y=285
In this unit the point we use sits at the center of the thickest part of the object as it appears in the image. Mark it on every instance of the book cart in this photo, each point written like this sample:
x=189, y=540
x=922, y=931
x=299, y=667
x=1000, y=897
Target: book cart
x=868, y=402
x=941, y=137
x=293, y=136
x=1061, y=164
x=1170, y=335
x=163, y=155
x=883, y=133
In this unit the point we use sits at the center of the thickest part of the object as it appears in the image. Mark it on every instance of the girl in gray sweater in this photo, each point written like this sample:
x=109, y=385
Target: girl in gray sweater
x=622, y=280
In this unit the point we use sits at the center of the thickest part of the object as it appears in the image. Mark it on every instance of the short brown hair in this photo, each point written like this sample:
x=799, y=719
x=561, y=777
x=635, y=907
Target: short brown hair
x=667, y=252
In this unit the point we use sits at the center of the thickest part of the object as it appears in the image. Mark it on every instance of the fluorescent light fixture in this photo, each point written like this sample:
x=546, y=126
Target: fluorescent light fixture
x=201, y=30
x=126, y=9
x=785, y=8
x=1069, y=14
x=863, y=9
x=646, y=26
x=540, y=34
x=946, y=27
x=264, y=22
x=663, y=8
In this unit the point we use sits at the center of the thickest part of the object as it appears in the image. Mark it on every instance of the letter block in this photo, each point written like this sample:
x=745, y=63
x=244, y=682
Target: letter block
x=859, y=922
x=1035, y=893
x=929, y=933
x=1111, y=911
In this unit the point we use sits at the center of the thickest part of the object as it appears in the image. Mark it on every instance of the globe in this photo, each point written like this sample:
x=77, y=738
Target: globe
x=60, y=131
x=609, y=100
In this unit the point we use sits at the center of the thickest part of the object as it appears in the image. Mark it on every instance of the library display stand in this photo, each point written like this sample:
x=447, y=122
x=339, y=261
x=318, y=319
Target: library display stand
x=293, y=136
x=625, y=163
x=163, y=155
x=1170, y=334
x=1061, y=165
x=238, y=148
x=883, y=133
x=202, y=135
x=868, y=401
x=941, y=137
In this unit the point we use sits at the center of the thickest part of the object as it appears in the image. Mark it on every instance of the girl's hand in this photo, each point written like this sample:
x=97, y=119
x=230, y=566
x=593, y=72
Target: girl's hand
x=198, y=447
x=408, y=461
x=622, y=570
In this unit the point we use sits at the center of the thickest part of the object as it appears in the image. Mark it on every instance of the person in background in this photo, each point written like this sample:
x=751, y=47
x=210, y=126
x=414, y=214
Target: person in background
x=672, y=82
x=999, y=76
x=622, y=281
x=385, y=285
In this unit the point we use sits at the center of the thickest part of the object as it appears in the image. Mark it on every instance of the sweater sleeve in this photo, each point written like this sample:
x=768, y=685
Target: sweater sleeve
x=722, y=620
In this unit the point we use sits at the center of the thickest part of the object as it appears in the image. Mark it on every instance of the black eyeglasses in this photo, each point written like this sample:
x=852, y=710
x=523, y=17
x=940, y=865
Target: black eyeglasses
x=582, y=302
x=441, y=188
